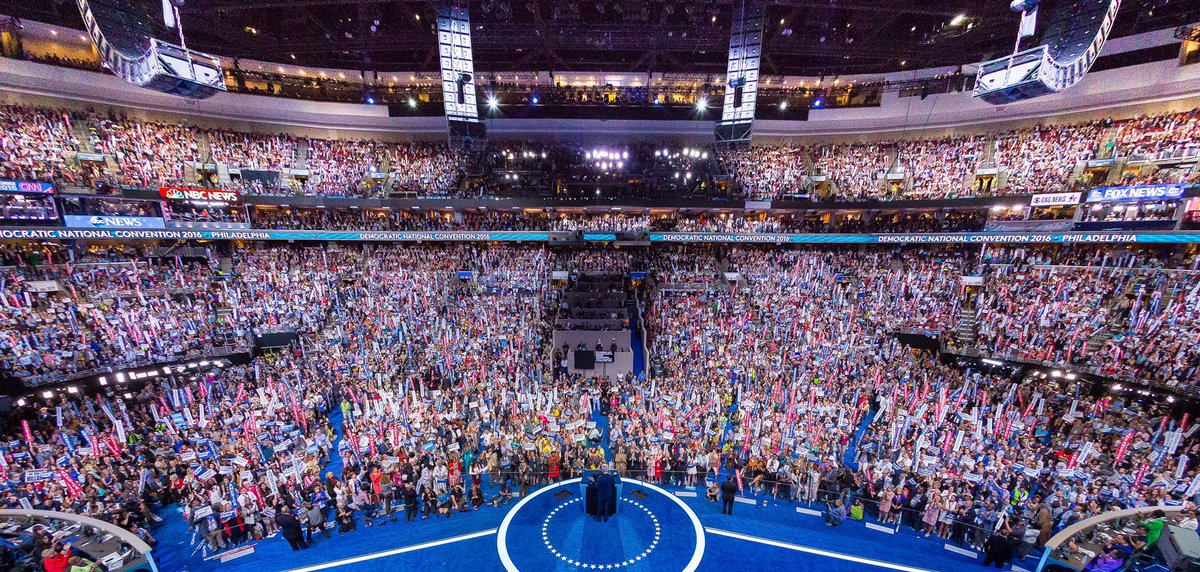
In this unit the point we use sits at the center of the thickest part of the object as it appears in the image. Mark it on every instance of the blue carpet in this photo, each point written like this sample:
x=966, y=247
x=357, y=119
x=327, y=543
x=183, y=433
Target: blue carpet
x=602, y=424
x=650, y=533
x=779, y=521
x=636, y=342
x=773, y=520
x=852, y=450
x=770, y=519
x=272, y=554
x=335, y=460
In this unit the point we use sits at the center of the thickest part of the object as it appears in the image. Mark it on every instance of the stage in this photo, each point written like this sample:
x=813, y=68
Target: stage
x=654, y=529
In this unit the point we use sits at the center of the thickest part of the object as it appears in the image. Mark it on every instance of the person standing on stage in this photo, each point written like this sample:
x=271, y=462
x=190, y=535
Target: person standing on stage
x=606, y=493
x=728, y=491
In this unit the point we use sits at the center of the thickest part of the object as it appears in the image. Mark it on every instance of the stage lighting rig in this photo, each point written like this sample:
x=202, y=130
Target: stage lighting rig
x=125, y=38
x=1071, y=42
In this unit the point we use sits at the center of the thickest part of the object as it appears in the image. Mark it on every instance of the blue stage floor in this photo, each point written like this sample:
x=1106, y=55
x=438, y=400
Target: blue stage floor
x=775, y=536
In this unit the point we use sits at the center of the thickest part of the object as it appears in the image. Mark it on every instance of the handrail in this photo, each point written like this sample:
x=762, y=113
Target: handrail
x=39, y=381
x=976, y=352
x=1069, y=532
x=126, y=536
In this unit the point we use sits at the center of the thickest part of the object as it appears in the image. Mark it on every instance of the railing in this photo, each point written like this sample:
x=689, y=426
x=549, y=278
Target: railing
x=91, y=532
x=1066, y=550
x=975, y=352
x=209, y=352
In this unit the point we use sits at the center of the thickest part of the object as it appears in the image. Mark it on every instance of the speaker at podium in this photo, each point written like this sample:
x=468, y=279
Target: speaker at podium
x=600, y=495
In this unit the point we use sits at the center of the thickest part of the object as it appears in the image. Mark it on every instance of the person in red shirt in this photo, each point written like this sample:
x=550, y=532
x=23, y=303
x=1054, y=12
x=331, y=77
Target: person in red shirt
x=57, y=560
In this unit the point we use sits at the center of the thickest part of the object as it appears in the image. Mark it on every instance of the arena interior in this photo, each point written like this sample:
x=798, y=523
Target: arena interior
x=667, y=285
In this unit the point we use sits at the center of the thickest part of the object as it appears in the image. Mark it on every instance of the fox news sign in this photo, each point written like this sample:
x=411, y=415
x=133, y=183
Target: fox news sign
x=1135, y=193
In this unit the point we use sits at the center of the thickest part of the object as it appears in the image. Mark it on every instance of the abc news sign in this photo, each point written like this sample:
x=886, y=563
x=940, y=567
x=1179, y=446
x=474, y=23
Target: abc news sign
x=96, y=221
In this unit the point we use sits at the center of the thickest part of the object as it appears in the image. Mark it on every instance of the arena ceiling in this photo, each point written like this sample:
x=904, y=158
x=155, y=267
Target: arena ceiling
x=803, y=37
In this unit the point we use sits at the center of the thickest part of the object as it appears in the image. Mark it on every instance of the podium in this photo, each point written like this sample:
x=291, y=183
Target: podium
x=588, y=491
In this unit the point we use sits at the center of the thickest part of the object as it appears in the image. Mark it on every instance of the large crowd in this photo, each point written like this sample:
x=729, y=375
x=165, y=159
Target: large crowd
x=93, y=149
x=1039, y=159
x=411, y=389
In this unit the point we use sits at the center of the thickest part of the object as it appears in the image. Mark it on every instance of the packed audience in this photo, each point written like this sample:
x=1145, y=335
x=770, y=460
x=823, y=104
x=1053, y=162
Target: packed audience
x=412, y=390
x=831, y=411
x=63, y=146
x=67, y=318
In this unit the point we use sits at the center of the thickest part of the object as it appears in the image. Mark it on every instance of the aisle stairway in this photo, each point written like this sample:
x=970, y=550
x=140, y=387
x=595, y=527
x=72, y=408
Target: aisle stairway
x=968, y=326
x=849, y=459
x=637, y=344
x=1096, y=342
x=83, y=135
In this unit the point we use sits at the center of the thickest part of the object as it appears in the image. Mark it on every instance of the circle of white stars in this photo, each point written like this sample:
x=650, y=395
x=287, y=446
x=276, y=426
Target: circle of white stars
x=588, y=566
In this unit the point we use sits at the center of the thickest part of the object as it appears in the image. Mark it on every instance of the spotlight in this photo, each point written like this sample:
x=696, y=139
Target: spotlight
x=783, y=106
x=493, y=102
x=818, y=102
x=412, y=103
x=702, y=104
x=535, y=100
x=370, y=101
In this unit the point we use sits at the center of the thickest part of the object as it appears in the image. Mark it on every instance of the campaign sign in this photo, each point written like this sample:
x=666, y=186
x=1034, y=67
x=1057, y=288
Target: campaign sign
x=38, y=475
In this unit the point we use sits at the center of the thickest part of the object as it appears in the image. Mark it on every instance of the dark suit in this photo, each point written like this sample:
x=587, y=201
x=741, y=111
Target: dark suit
x=606, y=496
x=728, y=491
x=289, y=527
x=998, y=550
